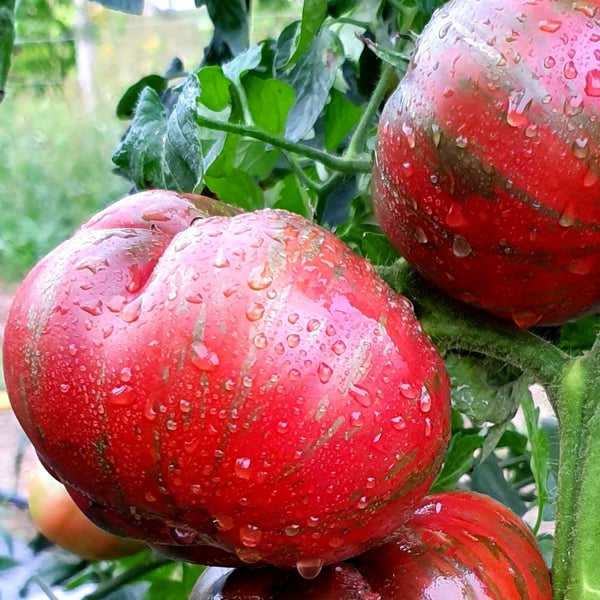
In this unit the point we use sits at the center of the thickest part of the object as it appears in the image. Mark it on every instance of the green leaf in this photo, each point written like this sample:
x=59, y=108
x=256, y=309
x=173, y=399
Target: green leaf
x=314, y=13
x=129, y=100
x=341, y=116
x=236, y=68
x=459, y=459
x=269, y=102
x=580, y=335
x=312, y=78
x=182, y=155
x=483, y=389
x=540, y=453
x=214, y=88
x=288, y=193
x=161, y=152
x=488, y=478
x=238, y=188
x=140, y=153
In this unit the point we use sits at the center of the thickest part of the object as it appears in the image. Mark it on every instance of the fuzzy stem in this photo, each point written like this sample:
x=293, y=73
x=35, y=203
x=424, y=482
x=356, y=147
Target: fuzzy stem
x=336, y=163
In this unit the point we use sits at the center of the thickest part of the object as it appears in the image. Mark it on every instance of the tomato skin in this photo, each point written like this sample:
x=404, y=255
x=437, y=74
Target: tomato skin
x=457, y=545
x=57, y=517
x=243, y=382
x=487, y=177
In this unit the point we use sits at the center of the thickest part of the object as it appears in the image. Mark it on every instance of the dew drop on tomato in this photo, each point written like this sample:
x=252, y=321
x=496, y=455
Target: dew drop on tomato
x=309, y=568
x=250, y=535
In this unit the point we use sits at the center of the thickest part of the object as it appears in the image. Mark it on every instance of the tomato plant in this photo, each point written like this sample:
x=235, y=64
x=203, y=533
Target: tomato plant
x=456, y=545
x=114, y=333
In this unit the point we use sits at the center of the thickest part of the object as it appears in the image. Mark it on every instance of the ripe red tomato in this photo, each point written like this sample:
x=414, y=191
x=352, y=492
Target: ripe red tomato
x=57, y=517
x=487, y=176
x=457, y=545
x=241, y=382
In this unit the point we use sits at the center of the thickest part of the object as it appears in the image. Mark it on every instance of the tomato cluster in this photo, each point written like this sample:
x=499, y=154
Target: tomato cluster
x=240, y=389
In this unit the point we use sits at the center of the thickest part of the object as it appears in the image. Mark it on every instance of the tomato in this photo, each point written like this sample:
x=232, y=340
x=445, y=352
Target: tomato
x=487, y=177
x=458, y=544
x=57, y=517
x=243, y=382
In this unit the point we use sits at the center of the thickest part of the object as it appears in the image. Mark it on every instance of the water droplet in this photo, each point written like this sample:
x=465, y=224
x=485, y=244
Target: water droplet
x=255, y=311
x=107, y=330
x=580, y=147
x=185, y=406
x=549, y=62
x=194, y=297
x=330, y=330
x=93, y=307
x=125, y=374
x=360, y=395
x=325, y=372
x=335, y=542
x=408, y=390
x=248, y=555
x=409, y=133
x=398, y=423
x=292, y=530
x=339, y=347
x=294, y=374
x=203, y=358
x=525, y=320
x=231, y=290
x=150, y=497
x=362, y=502
x=443, y=31
x=570, y=70
x=519, y=103
x=454, y=217
x=221, y=261
x=425, y=401
x=131, y=312
x=250, y=535
x=370, y=483
x=293, y=340
x=549, y=25
x=282, y=427
x=309, y=568
x=183, y=537
x=293, y=318
x=122, y=395
x=460, y=247
x=592, y=83
x=427, y=427
x=313, y=325
x=64, y=387
x=420, y=235
x=224, y=522
x=242, y=467
x=259, y=278
x=260, y=341
x=313, y=521
x=573, y=106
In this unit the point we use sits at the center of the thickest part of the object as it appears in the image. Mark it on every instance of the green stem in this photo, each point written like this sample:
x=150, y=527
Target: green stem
x=576, y=575
x=128, y=576
x=454, y=326
x=358, y=141
x=336, y=163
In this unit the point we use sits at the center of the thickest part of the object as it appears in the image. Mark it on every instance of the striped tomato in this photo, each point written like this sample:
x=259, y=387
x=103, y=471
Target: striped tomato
x=457, y=545
x=242, y=382
x=487, y=176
